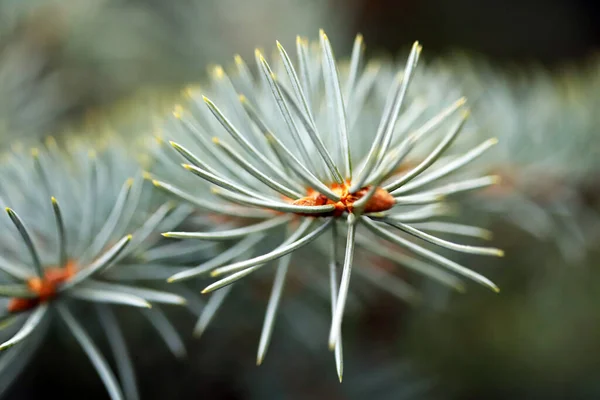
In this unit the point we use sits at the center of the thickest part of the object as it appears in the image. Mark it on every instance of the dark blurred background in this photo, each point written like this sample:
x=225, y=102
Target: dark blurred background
x=549, y=32
x=61, y=61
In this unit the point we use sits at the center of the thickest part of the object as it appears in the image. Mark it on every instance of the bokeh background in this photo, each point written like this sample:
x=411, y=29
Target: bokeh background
x=71, y=66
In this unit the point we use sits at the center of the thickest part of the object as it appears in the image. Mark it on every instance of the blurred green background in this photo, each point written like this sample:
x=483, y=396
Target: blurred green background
x=70, y=64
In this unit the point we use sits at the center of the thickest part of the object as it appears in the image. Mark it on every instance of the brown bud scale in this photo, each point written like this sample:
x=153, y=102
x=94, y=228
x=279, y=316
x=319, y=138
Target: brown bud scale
x=380, y=201
x=44, y=288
